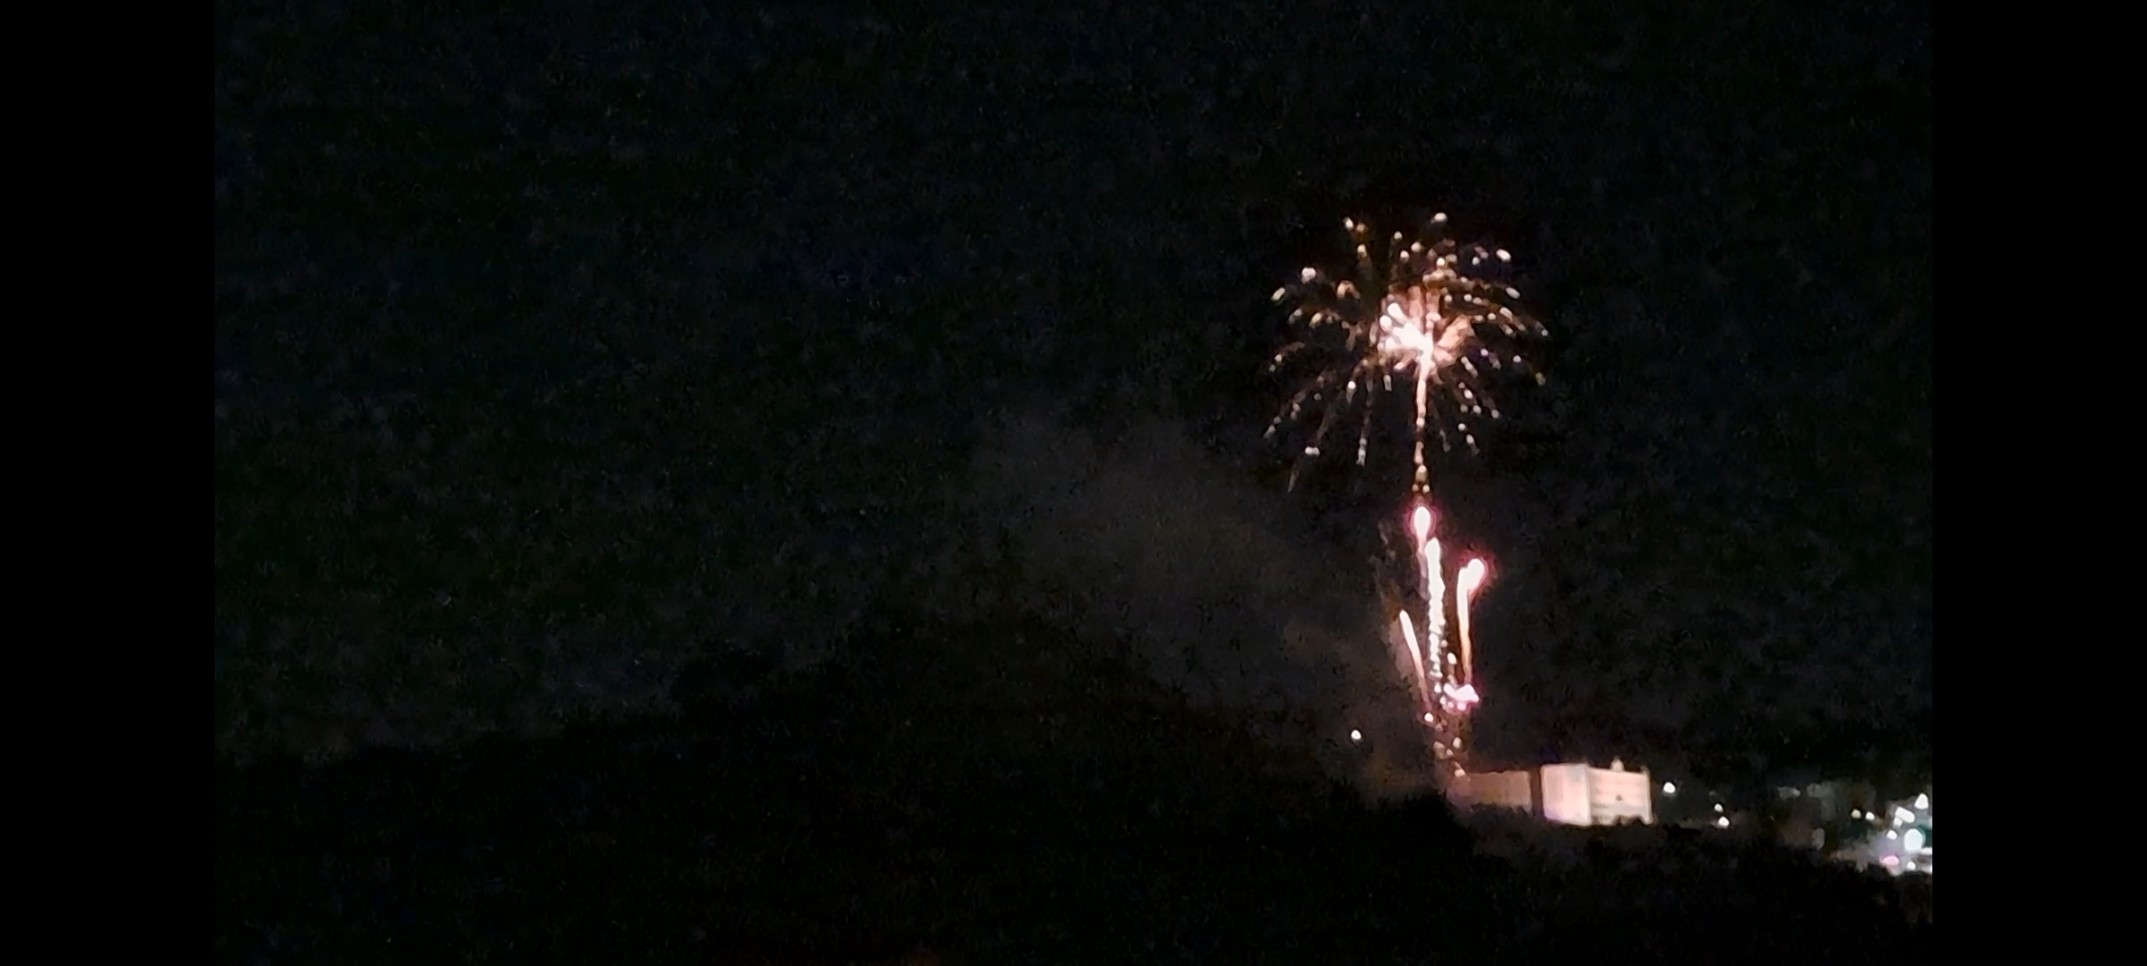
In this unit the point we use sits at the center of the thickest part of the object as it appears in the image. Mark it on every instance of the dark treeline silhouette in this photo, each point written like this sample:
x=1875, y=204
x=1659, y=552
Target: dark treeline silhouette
x=1034, y=809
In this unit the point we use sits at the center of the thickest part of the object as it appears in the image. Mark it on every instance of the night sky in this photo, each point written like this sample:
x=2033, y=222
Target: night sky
x=558, y=345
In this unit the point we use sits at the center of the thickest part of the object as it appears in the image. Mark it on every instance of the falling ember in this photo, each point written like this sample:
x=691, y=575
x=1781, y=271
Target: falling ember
x=1421, y=320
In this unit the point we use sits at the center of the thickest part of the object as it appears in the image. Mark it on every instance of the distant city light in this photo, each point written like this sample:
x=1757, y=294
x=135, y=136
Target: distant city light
x=1669, y=788
x=1718, y=808
x=1891, y=834
x=1355, y=735
x=1723, y=822
x=1856, y=813
x=1923, y=801
x=1903, y=816
x=1913, y=841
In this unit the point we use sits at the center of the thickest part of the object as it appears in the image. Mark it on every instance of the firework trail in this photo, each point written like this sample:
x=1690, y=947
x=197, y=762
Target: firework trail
x=1452, y=697
x=1420, y=680
x=1434, y=588
x=1466, y=583
x=1458, y=697
x=1419, y=321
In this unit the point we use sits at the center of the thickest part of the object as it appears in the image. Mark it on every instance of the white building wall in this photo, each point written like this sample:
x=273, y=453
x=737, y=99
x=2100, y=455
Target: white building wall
x=1571, y=794
x=1566, y=798
x=1616, y=795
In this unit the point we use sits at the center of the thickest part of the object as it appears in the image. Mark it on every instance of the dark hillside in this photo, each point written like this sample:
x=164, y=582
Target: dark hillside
x=859, y=820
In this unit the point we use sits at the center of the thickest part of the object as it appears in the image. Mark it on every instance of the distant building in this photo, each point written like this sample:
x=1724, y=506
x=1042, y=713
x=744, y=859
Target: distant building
x=1819, y=813
x=1498, y=789
x=1571, y=794
x=1826, y=802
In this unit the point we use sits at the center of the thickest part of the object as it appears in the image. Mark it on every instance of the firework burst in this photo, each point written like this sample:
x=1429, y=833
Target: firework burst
x=1421, y=320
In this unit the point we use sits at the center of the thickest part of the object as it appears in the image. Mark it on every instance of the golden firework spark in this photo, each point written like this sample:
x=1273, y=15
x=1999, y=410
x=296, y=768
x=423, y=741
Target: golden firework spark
x=1421, y=319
